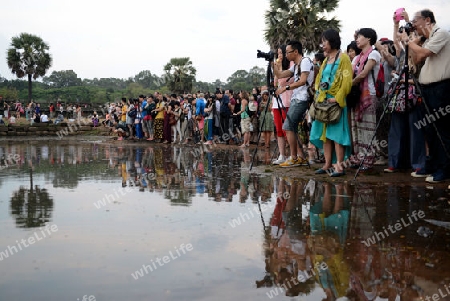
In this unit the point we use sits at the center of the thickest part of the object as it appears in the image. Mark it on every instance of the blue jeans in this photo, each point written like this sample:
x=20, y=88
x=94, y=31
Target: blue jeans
x=404, y=138
x=418, y=153
x=209, y=126
x=139, y=133
x=295, y=114
x=436, y=97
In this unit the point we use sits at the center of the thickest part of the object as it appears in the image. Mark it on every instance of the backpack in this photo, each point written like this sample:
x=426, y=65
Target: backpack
x=379, y=82
x=149, y=108
x=251, y=108
x=309, y=86
x=132, y=113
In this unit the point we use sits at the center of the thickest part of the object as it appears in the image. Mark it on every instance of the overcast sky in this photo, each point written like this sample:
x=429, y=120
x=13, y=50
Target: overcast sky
x=120, y=39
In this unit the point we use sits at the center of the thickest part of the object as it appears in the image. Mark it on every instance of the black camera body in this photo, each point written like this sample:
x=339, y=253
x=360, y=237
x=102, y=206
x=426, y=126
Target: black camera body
x=408, y=27
x=269, y=56
x=324, y=85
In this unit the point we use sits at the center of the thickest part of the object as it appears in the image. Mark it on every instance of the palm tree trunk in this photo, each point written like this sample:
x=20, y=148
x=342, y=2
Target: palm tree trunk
x=29, y=88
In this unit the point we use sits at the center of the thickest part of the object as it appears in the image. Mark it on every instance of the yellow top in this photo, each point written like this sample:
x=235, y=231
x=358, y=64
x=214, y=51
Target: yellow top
x=342, y=83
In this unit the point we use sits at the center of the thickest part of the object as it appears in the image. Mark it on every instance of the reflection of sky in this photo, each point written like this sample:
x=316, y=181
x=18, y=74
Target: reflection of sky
x=95, y=250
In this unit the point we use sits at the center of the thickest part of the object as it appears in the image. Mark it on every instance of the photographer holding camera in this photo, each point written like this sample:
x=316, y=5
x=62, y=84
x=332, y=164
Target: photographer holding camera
x=435, y=82
x=403, y=135
x=299, y=101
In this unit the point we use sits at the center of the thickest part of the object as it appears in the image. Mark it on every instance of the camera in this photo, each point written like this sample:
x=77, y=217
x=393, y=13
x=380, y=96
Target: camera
x=324, y=85
x=269, y=56
x=408, y=27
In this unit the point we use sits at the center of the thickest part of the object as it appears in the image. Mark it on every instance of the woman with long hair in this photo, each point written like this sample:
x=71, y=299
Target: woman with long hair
x=332, y=85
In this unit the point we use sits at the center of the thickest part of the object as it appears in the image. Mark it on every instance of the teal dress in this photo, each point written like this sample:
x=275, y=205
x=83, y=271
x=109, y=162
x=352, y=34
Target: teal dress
x=338, y=132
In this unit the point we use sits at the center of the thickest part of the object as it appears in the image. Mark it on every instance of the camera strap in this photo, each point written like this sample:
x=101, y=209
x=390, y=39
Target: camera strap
x=332, y=68
x=299, y=73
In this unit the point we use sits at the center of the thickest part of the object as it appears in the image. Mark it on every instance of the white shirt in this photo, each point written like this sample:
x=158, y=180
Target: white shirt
x=44, y=118
x=301, y=93
x=376, y=56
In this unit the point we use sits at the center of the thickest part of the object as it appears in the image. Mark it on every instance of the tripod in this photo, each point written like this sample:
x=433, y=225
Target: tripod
x=271, y=89
x=405, y=71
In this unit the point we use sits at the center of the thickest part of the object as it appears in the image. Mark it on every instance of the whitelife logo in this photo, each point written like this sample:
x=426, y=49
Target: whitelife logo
x=378, y=236
x=11, y=250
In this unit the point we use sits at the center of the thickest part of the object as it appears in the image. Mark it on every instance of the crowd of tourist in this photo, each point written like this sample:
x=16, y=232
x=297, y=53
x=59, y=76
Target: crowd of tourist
x=375, y=122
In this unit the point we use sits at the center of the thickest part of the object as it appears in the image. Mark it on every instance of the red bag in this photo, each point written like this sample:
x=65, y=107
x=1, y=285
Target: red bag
x=379, y=82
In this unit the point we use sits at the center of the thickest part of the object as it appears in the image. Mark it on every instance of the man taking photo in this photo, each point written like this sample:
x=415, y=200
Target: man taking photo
x=435, y=83
x=299, y=101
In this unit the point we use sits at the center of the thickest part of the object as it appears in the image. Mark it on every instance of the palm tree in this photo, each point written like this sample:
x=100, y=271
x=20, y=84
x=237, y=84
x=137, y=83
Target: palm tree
x=302, y=20
x=180, y=75
x=29, y=56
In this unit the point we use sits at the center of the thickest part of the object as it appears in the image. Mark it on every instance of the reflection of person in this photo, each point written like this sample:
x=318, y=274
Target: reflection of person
x=329, y=223
x=289, y=264
x=333, y=85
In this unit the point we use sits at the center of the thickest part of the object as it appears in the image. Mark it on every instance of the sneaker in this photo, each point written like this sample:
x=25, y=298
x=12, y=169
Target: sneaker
x=436, y=178
x=281, y=159
x=303, y=162
x=389, y=170
x=291, y=162
x=419, y=173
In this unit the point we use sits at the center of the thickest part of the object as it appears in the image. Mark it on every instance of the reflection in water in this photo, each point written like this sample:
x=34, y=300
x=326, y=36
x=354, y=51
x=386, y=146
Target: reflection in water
x=305, y=242
x=314, y=237
x=31, y=207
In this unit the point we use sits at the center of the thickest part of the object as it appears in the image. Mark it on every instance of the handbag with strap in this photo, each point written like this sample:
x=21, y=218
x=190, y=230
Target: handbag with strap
x=326, y=112
x=172, y=119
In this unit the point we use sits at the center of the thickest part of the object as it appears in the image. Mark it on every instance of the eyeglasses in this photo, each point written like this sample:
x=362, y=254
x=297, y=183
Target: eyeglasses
x=287, y=52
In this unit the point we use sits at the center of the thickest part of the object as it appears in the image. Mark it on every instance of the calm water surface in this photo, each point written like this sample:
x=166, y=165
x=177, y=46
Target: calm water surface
x=128, y=222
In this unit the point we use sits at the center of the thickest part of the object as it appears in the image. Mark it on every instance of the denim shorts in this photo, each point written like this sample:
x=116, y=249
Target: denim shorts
x=295, y=114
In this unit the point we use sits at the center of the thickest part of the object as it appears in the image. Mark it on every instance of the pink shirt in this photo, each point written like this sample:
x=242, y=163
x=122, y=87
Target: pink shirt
x=286, y=96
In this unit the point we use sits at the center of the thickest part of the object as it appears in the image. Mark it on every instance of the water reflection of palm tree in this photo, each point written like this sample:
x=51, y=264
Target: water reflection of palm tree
x=31, y=207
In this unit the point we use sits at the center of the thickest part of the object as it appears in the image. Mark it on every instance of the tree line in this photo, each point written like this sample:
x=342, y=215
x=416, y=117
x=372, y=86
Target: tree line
x=67, y=87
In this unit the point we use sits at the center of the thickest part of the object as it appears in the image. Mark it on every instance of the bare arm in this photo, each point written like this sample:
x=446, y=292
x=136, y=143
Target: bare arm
x=419, y=53
x=367, y=68
x=294, y=85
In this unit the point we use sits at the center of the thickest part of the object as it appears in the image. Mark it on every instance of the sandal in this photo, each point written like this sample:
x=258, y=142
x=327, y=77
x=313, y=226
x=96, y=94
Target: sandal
x=337, y=174
x=321, y=171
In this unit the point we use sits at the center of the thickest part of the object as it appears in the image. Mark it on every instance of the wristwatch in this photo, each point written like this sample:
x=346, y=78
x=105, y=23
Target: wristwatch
x=288, y=87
